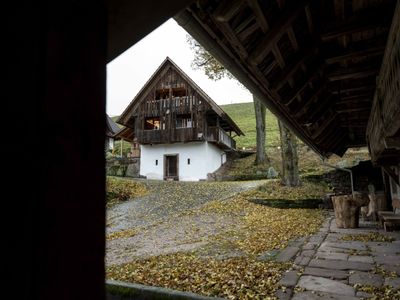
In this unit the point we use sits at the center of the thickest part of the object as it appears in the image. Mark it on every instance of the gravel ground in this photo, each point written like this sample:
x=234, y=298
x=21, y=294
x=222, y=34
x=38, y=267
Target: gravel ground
x=161, y=222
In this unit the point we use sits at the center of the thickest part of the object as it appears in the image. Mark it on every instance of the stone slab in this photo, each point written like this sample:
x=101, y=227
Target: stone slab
x=391, y=268
x=388, y=259
x=310, y=246
x=353, y=245
x=332, y=274
x=363, y=295
x=307, y=253
x=340, y=265
x=364, y=278
x=332, y=255
x=289, y=279
x=394, y=282
x=322, y=284
x=284, y=295
x=287, y=254
x=361, y=258
x=321, y=296
x=302, y=260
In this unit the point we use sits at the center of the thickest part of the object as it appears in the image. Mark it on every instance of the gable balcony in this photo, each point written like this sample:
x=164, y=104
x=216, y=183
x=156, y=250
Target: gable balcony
x=218, y=136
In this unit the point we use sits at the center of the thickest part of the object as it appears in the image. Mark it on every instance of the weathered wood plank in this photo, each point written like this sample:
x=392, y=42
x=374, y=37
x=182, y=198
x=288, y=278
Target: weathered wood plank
x=260, y=16
x=227, y=9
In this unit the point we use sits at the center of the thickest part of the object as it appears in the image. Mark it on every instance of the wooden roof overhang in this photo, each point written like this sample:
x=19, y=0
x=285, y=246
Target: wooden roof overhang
x=313, y=63
x=127, y=134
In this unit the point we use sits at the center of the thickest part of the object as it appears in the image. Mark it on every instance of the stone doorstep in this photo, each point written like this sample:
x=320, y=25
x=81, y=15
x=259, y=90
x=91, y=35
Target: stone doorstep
x=340, y=265
x=321, y=284
x=364, y=278
x=331, y=274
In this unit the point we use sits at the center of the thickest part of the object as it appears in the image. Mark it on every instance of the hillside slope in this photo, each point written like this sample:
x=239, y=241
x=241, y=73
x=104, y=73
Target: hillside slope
x=244, y=117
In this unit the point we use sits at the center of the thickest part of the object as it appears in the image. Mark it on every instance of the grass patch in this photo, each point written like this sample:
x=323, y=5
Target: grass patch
x=119, y=189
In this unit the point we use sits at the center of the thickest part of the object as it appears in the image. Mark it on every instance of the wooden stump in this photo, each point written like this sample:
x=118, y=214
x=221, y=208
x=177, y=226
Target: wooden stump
x=347, y=211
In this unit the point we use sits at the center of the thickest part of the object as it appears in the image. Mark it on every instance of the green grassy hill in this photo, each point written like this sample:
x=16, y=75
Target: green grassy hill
x=244, y=117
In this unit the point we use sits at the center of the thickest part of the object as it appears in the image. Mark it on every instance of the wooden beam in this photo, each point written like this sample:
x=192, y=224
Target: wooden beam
x=272, y=37
x=233, y=39
x=309, y=19
x=311, y=100
x=292, y=38
x=294, y=65
x=392, y=174
x=368, y=21
x=325, y=124
x=281, y=4
x=355, y=54
x=352, y=110
x=278, y=56
x=352, y=73
x=392, y=142
x=353, y=89
x=227, y=9
x=307, y=80
x=248, y=31
x=244, y=24
x=260, y=17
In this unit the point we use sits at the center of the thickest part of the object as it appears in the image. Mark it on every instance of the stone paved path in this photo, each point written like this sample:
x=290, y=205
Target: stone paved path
x=326, y=267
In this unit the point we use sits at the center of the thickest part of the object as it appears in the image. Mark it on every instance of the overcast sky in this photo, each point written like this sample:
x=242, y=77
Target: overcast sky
x=127, y=74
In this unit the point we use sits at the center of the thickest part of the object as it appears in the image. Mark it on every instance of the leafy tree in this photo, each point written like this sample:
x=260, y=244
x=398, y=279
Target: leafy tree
x=215, y=71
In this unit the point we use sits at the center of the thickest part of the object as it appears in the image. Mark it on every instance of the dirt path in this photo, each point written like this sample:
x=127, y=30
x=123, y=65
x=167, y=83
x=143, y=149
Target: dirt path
x=162, y=222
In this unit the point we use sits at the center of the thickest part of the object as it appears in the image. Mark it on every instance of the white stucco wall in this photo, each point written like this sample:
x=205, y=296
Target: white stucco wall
x=204, y=158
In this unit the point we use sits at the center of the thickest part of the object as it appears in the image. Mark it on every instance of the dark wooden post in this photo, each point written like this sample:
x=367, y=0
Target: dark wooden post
x=54, y=112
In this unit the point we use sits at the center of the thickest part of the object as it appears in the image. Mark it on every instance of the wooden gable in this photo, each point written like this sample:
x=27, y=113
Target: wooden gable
x=173, y=108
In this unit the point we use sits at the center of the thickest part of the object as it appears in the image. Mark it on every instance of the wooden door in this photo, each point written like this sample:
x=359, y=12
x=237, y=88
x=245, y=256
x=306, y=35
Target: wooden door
x=171, y=167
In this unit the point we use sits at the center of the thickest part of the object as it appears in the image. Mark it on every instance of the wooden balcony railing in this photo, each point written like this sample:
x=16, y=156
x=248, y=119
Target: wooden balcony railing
x=219, y=136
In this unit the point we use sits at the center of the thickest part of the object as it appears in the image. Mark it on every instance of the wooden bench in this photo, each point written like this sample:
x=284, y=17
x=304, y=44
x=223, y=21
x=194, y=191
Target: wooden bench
x=389, y=220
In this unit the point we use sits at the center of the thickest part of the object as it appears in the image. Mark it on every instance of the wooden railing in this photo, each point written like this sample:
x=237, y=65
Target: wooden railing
x=180, y=105
x=219, y=136
x=167, y=136
x=384, y=121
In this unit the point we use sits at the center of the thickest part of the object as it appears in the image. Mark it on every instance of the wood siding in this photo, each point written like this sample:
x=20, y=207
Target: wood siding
x=174, y=111
x=383, y=132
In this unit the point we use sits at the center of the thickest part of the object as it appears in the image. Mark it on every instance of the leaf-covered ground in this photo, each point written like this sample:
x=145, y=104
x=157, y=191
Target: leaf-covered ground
x=273, y=189
x=210, y=247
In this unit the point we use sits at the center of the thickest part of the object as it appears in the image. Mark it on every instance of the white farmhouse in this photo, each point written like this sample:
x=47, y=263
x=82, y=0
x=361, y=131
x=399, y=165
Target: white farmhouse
x=183, y=134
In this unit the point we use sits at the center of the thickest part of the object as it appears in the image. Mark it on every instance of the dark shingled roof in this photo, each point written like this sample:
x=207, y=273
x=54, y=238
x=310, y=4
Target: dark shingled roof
x=112, y=127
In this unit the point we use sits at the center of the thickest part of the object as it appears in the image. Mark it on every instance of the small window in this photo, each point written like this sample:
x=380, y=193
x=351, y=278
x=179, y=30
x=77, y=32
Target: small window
x=183, y=121
x=188, y=161
x=156, y=162
x=152, y=124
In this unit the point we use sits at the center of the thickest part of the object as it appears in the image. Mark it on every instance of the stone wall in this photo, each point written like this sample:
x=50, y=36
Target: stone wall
x=123, y=166
x=363, y=175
